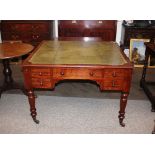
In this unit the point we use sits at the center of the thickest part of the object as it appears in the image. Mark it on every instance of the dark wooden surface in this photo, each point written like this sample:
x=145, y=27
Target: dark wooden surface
x=137, y=32
x=107, y=77
x=9, y=50
x=150, y=51
x=106, y=29
x=80, y=38
x=29, y=31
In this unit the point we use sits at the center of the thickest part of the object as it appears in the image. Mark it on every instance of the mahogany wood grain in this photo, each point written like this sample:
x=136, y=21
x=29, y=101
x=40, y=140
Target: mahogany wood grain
x=29, y=31
x=9, y=50
x=14, y=49
x=106, y=29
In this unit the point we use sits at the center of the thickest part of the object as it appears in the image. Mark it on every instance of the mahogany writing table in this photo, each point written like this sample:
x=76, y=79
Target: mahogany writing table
x=102, y=62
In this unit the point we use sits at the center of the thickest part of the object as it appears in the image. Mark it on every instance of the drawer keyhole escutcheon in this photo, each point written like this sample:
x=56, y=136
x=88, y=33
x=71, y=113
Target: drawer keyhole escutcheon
x=41, y=83
x=114, y=74
x=113, y=83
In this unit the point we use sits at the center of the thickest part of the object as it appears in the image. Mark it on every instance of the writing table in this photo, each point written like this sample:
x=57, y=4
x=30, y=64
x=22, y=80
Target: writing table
x=102, y=62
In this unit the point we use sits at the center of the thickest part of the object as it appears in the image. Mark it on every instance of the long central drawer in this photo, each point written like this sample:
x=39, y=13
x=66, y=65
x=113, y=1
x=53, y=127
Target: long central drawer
x=77, y=73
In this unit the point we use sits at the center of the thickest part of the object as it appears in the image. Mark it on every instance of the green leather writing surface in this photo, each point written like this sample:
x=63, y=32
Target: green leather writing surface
x=78, y=52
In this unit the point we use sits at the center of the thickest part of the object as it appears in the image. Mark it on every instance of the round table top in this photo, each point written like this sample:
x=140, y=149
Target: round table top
x=14, y=49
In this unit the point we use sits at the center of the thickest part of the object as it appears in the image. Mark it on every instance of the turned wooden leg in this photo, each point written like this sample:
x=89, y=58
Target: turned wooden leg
x=31, y=98
x=123, y=102
x=153, y=107
x=8, y=80
x=9, y=83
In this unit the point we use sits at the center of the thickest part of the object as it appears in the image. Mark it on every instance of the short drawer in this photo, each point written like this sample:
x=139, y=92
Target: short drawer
x=41, y=83
x=113, y=84
x=113, y=73
x=13, y=27
x=12, y=36
x=40, y=72
x=70, y=23
x=39, y=36
x=41, y=27
x=28, y=27
x=76, y=73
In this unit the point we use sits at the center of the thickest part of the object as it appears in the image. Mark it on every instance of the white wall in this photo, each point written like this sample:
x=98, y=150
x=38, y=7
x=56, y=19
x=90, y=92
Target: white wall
x=55, y=29
x=119, y=32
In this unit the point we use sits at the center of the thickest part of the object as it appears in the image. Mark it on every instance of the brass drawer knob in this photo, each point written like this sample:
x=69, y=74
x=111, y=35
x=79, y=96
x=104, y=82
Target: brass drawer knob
x=35, y=26
x=14, y=36
x=40, y=73
x=35, y=36
x=62, y=73
x=91, y=73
